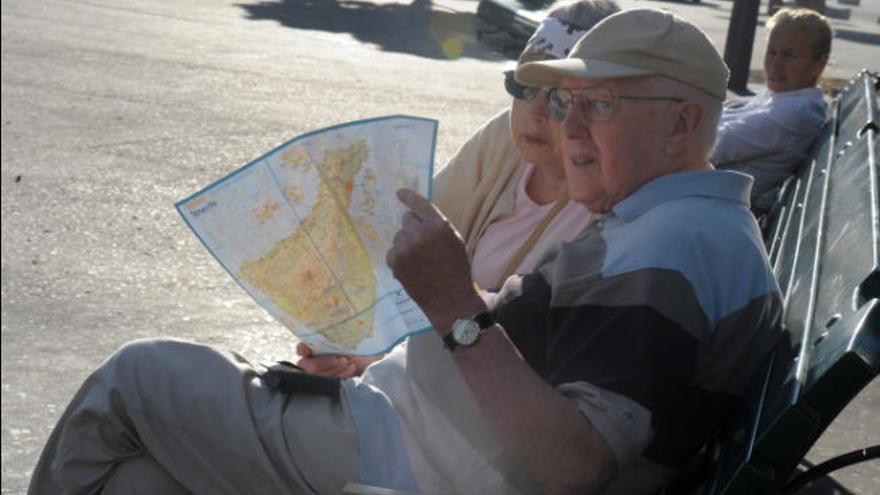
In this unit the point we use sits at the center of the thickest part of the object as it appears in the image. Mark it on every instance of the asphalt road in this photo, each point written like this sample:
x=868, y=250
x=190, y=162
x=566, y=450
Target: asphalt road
x=114, y=109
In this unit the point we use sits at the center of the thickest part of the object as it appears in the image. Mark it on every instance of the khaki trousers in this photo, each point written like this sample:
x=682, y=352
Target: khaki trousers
x=164, y=416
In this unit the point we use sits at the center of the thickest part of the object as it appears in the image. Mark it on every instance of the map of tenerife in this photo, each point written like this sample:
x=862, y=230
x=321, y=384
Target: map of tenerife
x=304, y=230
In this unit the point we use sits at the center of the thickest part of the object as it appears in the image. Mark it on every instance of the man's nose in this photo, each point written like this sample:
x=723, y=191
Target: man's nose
x=774, y=61
x=575, y=125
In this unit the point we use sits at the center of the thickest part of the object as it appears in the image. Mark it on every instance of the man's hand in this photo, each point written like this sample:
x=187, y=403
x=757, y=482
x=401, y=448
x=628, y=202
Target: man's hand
x=429, y=258
x=335, y=365
x=546, y=431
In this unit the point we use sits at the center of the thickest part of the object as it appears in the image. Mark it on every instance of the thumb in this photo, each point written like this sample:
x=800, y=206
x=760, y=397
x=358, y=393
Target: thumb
x=303, y=350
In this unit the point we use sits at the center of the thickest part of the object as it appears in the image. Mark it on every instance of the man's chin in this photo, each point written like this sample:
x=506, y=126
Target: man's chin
x=776, y=86
x=599, y=208
x=593, y=202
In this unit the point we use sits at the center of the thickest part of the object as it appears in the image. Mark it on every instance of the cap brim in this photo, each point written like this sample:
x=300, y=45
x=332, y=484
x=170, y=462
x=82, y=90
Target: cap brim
x=551, y=72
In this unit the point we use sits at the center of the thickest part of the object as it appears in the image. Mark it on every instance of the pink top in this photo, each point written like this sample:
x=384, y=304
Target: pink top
x=503, y=237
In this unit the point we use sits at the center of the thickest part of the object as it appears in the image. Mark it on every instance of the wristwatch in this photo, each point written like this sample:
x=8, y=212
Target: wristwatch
x=466, y=331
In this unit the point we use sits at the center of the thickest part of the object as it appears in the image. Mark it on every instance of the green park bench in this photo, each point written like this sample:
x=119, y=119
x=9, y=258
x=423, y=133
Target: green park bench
x=517, y=18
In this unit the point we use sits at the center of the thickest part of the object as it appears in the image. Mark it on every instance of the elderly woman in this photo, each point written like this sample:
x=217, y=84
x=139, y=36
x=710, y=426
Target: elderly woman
x=507, y=197
x=770, y=133
x=504, y=190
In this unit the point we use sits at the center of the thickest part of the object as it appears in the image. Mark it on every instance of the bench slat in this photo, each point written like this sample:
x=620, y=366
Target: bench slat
x=858, y=108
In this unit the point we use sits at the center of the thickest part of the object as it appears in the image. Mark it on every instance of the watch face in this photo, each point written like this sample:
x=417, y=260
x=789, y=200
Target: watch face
x=465, y=332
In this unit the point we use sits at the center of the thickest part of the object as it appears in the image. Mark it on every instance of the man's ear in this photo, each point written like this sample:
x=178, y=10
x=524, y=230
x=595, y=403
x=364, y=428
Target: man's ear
x=690, y=114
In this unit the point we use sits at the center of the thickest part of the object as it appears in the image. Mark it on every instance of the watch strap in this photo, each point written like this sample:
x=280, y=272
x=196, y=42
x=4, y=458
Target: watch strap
x=449, y=342
x=484, y=320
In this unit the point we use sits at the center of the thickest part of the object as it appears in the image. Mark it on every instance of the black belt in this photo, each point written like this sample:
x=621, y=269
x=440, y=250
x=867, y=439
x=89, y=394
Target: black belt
x=287, y=377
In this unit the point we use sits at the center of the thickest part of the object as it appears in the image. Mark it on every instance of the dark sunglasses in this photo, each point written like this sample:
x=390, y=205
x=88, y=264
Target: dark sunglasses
x=517, y=90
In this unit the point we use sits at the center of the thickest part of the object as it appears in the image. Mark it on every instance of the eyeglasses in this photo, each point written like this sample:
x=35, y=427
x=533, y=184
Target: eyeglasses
x=517, y=90
x=595, y=104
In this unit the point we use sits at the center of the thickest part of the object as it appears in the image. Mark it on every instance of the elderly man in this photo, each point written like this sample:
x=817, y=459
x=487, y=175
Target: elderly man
x=600, y=372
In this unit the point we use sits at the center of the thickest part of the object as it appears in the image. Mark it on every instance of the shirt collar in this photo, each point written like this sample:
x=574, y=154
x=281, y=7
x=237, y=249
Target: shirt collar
x=722, y=184
x=809, y=90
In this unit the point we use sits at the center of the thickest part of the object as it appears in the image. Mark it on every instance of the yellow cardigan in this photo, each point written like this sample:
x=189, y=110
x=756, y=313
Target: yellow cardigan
x=478, y=184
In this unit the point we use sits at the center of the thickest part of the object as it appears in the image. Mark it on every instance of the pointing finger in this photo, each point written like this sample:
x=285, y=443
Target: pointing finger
x=417, y=204
x=410, y=221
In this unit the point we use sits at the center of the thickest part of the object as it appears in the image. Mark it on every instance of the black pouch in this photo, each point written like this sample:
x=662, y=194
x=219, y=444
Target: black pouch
x=289, y=378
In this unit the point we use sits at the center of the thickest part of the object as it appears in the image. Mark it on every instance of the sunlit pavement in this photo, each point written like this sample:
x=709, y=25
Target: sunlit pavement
x=114, y=109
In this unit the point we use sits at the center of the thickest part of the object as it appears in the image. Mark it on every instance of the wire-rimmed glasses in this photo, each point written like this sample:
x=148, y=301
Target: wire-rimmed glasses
x=595, y=104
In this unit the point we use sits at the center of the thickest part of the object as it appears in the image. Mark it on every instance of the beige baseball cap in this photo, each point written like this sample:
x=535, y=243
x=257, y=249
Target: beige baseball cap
x=638, y=42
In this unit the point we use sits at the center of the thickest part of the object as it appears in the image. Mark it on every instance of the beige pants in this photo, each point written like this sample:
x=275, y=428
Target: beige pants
x=166, y=416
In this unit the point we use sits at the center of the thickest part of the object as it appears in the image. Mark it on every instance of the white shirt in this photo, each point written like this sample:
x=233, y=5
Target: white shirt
x=769, y=135
x=503, y=237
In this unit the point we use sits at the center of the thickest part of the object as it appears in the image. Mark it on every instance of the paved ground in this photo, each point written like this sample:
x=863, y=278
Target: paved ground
x=114, y=109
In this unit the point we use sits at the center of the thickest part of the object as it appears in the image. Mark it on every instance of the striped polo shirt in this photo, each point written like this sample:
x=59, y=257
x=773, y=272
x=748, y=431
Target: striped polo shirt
x=655, y=317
